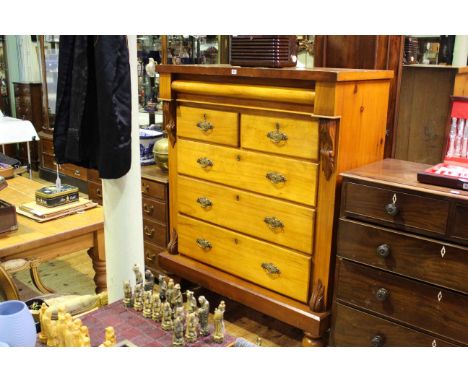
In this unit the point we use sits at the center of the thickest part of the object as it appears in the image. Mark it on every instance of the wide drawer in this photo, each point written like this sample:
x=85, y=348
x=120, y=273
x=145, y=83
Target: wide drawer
x=208, y=125
x=437, y=310
x=154, y=209
x=74, y=171
x=285, y=136
x=355, y=328
x=271, y=175
x=273, y=267
x=408, y=255
x=266, y=218
x=155, y=232
x=394, y=208
x=95, y=192
x=153, y=189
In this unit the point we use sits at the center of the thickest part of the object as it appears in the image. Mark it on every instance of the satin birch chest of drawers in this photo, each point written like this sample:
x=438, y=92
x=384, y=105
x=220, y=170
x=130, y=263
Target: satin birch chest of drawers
x=254, y=158
x=402, y=260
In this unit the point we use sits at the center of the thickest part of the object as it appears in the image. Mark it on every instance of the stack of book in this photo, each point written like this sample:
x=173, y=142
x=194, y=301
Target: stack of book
x=43, y=214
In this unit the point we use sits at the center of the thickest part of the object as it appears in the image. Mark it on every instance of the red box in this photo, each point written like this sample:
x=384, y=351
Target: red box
x=453, y=172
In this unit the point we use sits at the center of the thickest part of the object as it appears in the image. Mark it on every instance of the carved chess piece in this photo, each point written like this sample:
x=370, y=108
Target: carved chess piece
x=218, y=334
x=170, y=291
x=147, y=304
x=138, y=303
x=106, y=344
x=110, y=335
x=76, y=334
x=156, y=311
x=86, y=342
x=191, y=303
x=149, y=280
x=61, y=326
x=203, y=313
x=42, y=334
x=222, y=306
x=177, y=299
x=166, y=323
x=178, y=334
x=68, y=335
x=138, y=275
x=180, y=313
x=52, y=338
x=84, y=335
x=191, y=329
x=162, y=287
x=128, y=294
x=45, y=325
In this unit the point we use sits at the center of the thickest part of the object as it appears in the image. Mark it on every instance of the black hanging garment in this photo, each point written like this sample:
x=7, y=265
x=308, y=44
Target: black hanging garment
x=93, y=112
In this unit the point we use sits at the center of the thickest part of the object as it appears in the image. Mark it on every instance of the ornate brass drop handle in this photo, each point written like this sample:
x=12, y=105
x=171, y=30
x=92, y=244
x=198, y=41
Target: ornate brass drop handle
x=148, y=210
x=204, y=202
x=148, y=231
x=145, y=187
x=275, y=177
x=271, y=269
x=204, y=244
x=274, y=222
x=204, y=162
x=277, y=136
x=98, y=192
x=204, y=125
x=150, y=255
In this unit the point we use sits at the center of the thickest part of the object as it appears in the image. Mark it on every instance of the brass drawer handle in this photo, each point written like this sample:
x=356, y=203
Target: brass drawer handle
x=145, y=187
x=277, y=136
x=377, y=341
x=148, y=209
x=271, y=269
x=204, y=244
x=382, y=294
x=148, y=231
x=392, y=208
x=204, y=125
x=275, y=177
x=98, y=192
x=150, y=255
x=77, y=172
x=204, y=202
x=273, y=222
x=204, y=162
x=383, y=250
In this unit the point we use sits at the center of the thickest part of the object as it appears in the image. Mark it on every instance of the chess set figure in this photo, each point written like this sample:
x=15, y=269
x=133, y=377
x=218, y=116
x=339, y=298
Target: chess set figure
x=66, y=331
x=163, y=302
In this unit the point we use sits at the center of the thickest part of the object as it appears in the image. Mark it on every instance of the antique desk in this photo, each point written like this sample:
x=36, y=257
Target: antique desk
x=44, y=241
x=254, y=158
x=402, y=260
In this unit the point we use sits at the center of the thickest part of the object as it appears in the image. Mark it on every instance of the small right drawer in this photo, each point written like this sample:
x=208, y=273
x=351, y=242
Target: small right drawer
x=285, y=136
x=409, y=255
x=153, y=189
x=405, y=211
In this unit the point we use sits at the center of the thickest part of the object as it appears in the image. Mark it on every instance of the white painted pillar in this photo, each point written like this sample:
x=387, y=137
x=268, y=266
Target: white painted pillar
x=460, y=51
x=123, y=224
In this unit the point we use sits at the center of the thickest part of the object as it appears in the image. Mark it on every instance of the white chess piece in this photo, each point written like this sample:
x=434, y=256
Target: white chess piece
x=151, y=67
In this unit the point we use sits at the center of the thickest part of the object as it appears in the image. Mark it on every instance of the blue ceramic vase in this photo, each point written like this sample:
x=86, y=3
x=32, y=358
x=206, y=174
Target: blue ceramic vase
x=16, y=324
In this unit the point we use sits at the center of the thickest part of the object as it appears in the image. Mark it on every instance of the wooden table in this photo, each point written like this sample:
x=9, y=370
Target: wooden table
x=44, y=241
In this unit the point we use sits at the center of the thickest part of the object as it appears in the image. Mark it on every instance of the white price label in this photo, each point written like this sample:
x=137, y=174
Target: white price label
x=233, y=72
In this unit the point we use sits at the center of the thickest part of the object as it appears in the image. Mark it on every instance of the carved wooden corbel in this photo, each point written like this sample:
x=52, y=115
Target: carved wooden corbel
x=169, y=121
x=316, y=302
x=328, y=132
x=173, y=246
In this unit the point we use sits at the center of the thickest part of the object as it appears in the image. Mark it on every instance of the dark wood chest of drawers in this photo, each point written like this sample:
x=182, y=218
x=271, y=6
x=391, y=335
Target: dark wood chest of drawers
x=402, y=260
x=28, y=101
x=155, y=210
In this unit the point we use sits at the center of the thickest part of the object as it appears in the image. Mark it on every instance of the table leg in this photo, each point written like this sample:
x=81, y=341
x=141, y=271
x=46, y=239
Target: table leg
x=310, y=341
x=98, y=256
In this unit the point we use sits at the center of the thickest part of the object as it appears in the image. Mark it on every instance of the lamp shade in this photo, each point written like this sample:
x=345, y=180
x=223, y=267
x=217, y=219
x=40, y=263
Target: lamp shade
x=16, y=324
